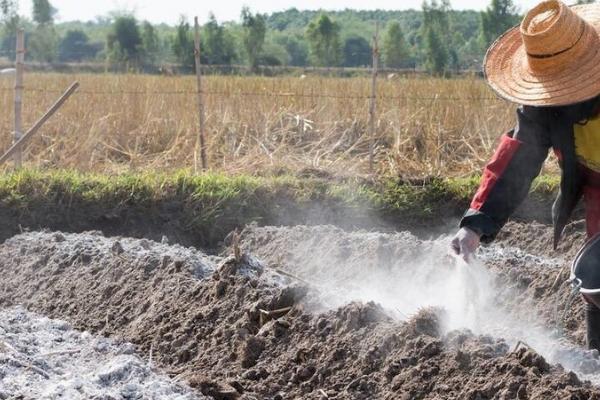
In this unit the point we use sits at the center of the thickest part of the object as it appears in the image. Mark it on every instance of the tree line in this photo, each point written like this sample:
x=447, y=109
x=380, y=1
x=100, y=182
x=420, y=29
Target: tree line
x=435, y=38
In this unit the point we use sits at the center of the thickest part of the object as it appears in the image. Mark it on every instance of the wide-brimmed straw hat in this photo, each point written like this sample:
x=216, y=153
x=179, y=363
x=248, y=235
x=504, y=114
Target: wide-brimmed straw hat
x=551, y=59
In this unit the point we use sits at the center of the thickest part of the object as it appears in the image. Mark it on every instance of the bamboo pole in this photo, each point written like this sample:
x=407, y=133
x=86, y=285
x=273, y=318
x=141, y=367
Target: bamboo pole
x=373, y=99
x=19, y=67
x=201, y=141
x=18, y=145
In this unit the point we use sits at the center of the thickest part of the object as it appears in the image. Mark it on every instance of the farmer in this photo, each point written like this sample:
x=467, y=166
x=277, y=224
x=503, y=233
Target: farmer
x=550, y=66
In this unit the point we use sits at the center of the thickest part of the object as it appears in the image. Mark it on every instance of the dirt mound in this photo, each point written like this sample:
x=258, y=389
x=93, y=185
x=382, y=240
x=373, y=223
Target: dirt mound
x=235, y=329
x=527, y=276
x=537, y=239
x=540, y=281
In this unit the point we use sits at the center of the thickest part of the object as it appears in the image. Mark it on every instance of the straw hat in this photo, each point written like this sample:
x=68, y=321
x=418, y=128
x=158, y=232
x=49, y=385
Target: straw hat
x=551, y=59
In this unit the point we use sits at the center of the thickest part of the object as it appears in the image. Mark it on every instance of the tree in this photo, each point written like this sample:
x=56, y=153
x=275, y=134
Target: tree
x=357, y=52
x=9, y=18
x=297, y=51
x=274, y=53
x=43, y=12
x=323, y=36
x=150, y=43
x=217, y=45
x=183, y=44
x=75, y=46
x=254, y=30
x=396, y=52
x=124, y=40
x=435, y=34
x=9, y=14
x=497, y=19
x=43, y=43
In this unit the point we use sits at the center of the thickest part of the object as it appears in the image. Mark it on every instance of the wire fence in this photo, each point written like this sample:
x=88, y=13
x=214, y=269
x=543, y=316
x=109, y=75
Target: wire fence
x=262, y=94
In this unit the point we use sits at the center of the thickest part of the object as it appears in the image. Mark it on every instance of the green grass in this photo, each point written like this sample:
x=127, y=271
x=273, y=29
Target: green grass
x=207, y=207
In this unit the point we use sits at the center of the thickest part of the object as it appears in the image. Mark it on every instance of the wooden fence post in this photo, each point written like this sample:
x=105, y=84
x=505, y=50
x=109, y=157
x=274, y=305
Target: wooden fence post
x=18, y=145
x=201, y=141
x=19, y=67
x=373, y=99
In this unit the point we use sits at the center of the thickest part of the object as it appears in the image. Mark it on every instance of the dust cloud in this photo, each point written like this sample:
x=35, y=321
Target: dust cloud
x=405, y=275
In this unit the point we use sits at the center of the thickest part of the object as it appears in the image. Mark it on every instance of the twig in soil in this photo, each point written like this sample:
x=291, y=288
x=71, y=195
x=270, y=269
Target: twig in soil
x=277, y=313
x=518, y=346
x=3, y=347
x=323, y=393
x=61, y=353
x=557, y=280
x=150, y=357
x=289, y=275
x=8, y=347
x=401, y=313
x=237, y=251
x=120, y=256
x=25, y=364
x=181, y=375
x=266, y=316
x=19, y=362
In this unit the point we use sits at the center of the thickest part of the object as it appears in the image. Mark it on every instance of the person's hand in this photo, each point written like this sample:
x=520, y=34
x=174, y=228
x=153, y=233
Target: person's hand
x=465, y=244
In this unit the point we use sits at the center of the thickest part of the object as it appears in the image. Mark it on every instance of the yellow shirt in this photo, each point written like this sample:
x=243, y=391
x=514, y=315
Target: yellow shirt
x=587, y=143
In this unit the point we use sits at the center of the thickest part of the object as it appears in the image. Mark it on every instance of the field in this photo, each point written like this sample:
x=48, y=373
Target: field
x=287, y=271
x=117, y=123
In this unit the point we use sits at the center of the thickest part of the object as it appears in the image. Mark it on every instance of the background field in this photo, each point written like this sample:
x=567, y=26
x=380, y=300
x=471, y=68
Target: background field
x=118, y=123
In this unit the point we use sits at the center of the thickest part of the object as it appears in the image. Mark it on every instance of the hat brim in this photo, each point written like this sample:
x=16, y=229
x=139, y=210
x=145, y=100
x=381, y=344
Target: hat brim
x=508, y=74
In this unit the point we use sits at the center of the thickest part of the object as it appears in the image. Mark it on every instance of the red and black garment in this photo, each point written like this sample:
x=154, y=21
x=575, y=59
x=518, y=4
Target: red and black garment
x=518, y=160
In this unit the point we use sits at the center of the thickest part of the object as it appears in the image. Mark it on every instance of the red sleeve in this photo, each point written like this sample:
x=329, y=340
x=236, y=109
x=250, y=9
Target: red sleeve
x=494, y=169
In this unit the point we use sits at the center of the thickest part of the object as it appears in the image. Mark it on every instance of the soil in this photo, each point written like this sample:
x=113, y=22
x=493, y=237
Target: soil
x=319, y=313
x=42, y=358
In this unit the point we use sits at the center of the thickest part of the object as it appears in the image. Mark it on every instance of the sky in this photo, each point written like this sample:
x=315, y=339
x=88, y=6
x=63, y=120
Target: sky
x=158, y=11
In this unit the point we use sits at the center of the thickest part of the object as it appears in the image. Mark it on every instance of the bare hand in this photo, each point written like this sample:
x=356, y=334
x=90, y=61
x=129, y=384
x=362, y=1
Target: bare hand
x=465, y=243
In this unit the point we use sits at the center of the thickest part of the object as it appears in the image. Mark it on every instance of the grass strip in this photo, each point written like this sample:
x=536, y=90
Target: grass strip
x=204, y=208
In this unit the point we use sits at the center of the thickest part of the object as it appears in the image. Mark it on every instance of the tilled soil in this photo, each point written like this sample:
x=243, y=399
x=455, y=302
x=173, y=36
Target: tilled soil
x=525, y=274
x=323, y=314
x=42, y=358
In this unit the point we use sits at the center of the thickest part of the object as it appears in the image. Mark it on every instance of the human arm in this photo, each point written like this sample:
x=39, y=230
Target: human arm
x=508, y=176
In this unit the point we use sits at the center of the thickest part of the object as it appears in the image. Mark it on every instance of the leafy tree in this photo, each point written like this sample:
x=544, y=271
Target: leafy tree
x=150, y=43
x=297, y=50
x=9, y=18
x=323, y=36
x=435, y=29
x=43, y=12
x=43, y=43
x=76, y=46
x=396, y=52
x=436, y=52
x=357, y=52
x=217, y=44
x=274, y=53
x=254, y=30
x=497, y=19
x=124, y=40
x=9, y=14
x=183, y=44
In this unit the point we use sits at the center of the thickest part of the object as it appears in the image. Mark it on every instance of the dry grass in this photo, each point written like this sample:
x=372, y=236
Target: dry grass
x=425, y=126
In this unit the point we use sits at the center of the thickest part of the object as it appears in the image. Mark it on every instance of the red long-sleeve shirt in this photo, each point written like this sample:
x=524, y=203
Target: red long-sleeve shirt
x=518, y=160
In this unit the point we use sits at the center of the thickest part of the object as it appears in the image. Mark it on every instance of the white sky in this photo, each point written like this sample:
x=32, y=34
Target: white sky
x=169, y=11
